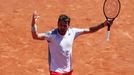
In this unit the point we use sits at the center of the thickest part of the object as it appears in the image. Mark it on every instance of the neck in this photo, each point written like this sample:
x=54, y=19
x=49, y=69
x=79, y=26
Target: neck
x=61, y=33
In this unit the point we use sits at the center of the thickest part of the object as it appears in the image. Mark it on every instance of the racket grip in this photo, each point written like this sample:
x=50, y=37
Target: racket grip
x=108, y=35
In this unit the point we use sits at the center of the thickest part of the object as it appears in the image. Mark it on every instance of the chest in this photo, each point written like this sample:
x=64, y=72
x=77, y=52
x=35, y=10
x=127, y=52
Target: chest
x=64, y=42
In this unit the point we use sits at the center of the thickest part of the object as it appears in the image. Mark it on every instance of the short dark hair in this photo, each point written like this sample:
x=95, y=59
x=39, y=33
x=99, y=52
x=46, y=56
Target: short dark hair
x=64, y=19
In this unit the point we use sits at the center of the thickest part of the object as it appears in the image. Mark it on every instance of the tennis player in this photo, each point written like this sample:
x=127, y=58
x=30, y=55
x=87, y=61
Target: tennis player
x=60, y=41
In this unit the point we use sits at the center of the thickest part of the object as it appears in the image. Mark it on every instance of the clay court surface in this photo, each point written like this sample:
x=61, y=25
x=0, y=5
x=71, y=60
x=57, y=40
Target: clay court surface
x=92, y=54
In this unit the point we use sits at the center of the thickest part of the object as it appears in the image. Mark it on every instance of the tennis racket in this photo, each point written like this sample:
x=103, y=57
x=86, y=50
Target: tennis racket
x=111, y=9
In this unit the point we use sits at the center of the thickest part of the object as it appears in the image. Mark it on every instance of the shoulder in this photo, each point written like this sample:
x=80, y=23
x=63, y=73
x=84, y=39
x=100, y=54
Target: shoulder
x=73, y=29
x=52, y=32
x=76, y=29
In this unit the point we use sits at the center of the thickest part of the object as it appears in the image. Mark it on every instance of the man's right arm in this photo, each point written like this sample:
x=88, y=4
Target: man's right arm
x=35, y=34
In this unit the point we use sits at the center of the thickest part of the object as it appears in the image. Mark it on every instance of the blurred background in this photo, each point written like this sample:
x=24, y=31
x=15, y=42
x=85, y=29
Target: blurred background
x=92, y=54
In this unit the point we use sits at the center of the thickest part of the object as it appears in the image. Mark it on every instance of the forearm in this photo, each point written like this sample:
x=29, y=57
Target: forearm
x=34, y=30
x=35, y=34
x=34, y=26
x=96, y=28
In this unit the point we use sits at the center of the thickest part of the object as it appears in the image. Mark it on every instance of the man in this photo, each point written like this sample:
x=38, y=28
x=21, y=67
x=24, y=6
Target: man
x=60, y=41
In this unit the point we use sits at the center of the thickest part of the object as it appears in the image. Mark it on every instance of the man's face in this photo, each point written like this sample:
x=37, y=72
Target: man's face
x=62, y=28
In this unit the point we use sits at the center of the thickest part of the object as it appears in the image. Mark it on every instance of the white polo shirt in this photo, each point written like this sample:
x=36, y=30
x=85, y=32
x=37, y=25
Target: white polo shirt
x=60, y=49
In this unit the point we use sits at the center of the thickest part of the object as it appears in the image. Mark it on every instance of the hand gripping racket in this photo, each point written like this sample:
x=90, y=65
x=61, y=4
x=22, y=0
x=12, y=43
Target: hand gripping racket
x=111, y=9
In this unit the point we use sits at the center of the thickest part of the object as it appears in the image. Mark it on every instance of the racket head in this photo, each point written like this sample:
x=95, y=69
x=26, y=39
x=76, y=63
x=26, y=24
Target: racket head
x=111, y=8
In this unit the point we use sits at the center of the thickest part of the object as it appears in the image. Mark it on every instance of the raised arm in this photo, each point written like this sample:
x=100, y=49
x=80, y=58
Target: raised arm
x=35, y=34
x=98, y=27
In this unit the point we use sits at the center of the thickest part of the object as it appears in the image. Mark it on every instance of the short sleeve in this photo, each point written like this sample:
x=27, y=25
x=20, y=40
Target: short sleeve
x=78, y=31
x=50, y=34
x=47, y=35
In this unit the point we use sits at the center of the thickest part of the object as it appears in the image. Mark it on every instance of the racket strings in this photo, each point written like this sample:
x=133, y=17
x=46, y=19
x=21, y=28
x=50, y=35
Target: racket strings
x=112, y=8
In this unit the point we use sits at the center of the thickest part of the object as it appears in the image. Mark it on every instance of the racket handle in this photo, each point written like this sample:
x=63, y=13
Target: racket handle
x=108, y=35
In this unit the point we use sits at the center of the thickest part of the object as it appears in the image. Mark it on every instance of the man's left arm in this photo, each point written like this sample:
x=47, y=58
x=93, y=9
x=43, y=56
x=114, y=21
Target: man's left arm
x=97, y=27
